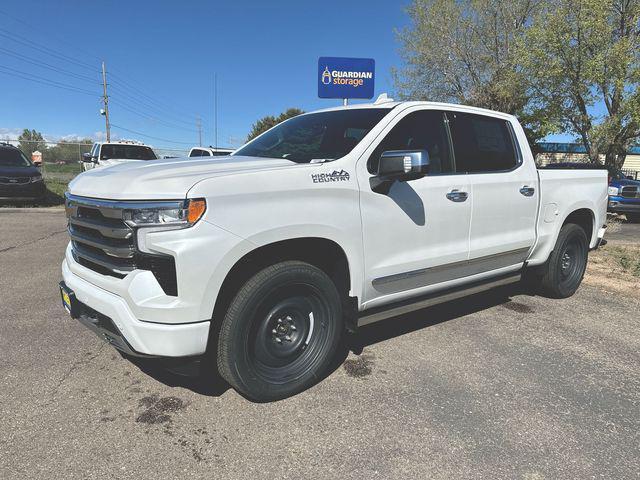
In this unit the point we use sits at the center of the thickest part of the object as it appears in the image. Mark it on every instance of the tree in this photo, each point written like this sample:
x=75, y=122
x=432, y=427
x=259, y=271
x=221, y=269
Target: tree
x=65, y=151
x=265, y=123
x=583, y=57
x=467, y=52
x=30, y=141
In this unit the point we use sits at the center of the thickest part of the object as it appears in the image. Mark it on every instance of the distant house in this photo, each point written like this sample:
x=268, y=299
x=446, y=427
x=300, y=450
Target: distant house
x=574, y=152
x=36, y=157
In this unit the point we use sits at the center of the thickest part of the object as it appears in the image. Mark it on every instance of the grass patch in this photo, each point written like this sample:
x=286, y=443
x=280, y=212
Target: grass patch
x=57, y=178
x=627, y=258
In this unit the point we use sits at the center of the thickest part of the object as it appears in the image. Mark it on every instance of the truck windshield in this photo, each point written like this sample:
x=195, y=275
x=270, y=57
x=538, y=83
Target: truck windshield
x=10, y=157
x=127, y=152
x=315, y=136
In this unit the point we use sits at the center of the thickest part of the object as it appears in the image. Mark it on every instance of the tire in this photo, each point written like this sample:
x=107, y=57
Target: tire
x=281, y=332
x=633, y=217
x=563, y=272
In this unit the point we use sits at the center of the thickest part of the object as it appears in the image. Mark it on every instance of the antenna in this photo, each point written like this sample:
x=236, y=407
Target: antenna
x=215, y=109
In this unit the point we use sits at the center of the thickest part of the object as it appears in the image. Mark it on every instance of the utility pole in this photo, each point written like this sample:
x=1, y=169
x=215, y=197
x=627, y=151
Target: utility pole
x=105, y=100
x=215, y=109
x=199, y=127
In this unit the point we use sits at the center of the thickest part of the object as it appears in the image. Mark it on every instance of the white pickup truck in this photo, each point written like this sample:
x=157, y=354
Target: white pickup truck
x=106, y=154
x=328, y=221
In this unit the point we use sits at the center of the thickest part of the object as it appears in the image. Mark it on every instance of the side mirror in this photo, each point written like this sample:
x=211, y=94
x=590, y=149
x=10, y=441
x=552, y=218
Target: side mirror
x=400, y=165
x=86, y=157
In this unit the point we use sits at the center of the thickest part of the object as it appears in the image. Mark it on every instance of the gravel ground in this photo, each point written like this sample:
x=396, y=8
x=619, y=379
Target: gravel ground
x=499, y=385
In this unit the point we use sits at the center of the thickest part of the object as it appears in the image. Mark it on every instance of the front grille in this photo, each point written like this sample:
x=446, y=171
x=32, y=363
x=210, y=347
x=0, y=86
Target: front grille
x=630, y=192
x=14, y=180
x=101, y=241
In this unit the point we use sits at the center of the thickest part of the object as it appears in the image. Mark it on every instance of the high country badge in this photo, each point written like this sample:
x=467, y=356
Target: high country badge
x=335, y=176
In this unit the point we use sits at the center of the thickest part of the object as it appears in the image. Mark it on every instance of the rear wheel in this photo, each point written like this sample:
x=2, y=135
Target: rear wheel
x=567, y=263
x=281, y=331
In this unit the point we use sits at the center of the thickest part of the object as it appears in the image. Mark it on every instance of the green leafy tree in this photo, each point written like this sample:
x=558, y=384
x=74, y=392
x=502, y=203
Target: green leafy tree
x=466, y=51
x=265, y=123
x=30, y=141
x=66, y=151
x=585, y=54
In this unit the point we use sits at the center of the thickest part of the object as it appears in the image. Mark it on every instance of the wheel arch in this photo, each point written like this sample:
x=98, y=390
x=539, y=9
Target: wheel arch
x=321, y=252
x=584, y=218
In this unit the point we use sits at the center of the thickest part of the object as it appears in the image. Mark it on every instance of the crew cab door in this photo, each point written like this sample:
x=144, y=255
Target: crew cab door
x=416, y=235
x=504, y=190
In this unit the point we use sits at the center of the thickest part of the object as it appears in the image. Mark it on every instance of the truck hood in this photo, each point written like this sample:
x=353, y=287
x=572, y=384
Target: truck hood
x=163, y=179
x=624, y=183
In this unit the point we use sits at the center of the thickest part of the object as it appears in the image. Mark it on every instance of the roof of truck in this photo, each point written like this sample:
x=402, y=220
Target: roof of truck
x=385, y=102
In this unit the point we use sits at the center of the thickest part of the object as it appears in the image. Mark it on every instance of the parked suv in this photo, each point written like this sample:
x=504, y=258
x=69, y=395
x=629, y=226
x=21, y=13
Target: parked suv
x=328, y=221
x=20, y=179
x=113, y=153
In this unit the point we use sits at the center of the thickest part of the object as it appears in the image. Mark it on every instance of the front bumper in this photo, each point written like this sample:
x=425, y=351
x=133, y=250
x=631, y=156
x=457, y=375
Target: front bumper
x=27, y=191
x=109, y=316
x=617, y=204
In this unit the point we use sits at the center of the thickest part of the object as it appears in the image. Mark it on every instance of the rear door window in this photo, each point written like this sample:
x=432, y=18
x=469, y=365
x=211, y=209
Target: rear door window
x=481, y=143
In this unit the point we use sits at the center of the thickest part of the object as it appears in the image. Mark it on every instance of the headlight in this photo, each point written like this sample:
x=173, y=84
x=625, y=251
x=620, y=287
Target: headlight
x=166, y=214
x=614, y=191
x=37, y=178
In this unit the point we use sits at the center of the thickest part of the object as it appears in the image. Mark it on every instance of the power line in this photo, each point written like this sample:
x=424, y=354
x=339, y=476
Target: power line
x=49, y=34
x=150, y=117
x=44, y=81
x=28, y=43
x=150, y=136
x=48, y=66
x=146, y=105
x=162, y=103
x=125, y=85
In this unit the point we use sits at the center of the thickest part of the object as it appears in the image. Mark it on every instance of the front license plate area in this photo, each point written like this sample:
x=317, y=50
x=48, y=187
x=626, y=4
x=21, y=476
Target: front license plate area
x=69, y=302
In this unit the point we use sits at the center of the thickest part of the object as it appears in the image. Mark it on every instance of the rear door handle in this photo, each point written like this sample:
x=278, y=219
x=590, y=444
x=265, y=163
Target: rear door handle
x=527, y=191
x=457, y=196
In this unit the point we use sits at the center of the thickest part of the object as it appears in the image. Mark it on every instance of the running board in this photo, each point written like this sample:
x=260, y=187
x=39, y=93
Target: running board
x=375, y=315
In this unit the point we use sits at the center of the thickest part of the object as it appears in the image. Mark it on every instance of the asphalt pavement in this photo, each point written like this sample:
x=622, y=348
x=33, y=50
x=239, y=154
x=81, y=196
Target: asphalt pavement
x=499, y=385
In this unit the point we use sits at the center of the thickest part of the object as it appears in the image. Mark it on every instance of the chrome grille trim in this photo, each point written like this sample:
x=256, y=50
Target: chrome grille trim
x=107, y=231
x=15, y=180
x=99, y=234
x=102, y=241
x=120, y=270
x=630, y=192
x=112, y=250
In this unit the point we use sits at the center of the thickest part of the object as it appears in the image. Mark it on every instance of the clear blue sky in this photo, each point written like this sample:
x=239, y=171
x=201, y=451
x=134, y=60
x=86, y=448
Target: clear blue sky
x=264, y=52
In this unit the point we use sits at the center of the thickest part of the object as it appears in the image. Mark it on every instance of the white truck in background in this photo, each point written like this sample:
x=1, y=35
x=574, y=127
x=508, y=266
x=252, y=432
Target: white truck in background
x=106, y=154
x=209, y=152
x=328, y=221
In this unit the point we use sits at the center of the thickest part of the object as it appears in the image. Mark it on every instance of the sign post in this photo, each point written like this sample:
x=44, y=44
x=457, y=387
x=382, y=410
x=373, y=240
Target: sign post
x=341, y=77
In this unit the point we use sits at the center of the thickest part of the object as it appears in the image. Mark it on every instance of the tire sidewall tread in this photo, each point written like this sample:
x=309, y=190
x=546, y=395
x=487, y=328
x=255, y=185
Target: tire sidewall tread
x=231, y=355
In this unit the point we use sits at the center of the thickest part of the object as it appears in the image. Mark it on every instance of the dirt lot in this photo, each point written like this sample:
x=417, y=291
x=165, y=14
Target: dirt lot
x=500, y=385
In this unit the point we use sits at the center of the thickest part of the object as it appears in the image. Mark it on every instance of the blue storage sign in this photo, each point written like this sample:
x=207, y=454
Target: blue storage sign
x=340, y=77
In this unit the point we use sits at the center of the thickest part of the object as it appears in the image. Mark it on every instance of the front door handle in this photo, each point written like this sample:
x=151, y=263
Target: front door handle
x=527, y=191
x=457, y=196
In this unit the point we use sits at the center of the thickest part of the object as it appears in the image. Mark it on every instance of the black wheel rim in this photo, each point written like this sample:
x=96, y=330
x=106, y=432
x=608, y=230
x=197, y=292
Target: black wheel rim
x=572, y=262
x=289, y=331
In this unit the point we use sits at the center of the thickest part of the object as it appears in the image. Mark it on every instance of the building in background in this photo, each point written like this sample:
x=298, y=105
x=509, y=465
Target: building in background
x=36, y=157
x=575, y=152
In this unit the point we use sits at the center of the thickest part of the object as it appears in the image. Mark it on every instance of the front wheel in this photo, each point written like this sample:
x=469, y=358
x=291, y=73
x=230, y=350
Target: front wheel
x=567, y=263
x=281, y=331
